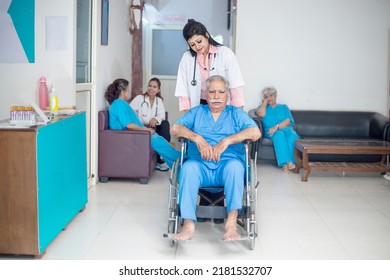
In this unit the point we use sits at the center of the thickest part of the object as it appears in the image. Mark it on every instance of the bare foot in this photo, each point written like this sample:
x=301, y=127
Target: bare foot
x=285, y=168
x=231, y=227
x=231, y=233
x=290, y=165
x=187, y=232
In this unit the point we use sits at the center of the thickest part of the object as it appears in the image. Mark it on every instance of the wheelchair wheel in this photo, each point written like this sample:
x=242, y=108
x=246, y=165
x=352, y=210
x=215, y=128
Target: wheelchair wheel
x=253, y=226
x=173, y=223
x=173, y=207
x=175, y=173
x=252, y=235
x=172, y=229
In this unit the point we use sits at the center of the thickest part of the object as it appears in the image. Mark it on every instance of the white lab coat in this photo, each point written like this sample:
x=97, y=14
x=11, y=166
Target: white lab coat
x=225, y=64
x=141, y=105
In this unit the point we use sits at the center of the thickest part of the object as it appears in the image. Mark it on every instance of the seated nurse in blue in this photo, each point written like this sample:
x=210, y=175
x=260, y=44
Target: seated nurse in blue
x=123, y=117
x=278, y=126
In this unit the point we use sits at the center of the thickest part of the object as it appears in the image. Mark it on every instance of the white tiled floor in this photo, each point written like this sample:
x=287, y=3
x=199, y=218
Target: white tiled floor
x=332, y=216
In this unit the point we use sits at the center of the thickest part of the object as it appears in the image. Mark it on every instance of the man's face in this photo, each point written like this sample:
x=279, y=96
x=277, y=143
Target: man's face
x=217, y=96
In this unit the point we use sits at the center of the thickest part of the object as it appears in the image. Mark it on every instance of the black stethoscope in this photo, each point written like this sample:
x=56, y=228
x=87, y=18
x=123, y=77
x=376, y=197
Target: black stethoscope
x=194, y=82
x=144, y=114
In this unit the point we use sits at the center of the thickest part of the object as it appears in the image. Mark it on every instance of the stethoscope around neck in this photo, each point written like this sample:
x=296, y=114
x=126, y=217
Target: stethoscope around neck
x=194, y=82
x=144, y=112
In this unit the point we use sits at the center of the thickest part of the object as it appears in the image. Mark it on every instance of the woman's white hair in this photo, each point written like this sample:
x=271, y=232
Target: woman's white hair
x=269, y=90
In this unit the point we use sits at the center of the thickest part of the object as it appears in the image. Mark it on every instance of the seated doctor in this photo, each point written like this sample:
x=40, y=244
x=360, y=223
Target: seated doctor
x=123, y=117
x=216, y=155
x=151, y=111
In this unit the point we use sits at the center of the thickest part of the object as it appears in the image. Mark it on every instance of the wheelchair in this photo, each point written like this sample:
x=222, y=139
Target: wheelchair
x=247, y=216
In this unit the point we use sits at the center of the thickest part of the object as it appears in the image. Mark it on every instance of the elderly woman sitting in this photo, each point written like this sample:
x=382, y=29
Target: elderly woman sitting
x=278, y=126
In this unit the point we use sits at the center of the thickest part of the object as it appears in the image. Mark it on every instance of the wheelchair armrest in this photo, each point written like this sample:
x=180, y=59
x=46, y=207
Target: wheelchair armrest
x=254, y=145
x=259, y=123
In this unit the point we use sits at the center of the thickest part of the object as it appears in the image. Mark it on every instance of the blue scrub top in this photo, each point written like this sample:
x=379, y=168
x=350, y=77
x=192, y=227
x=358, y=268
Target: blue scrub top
x=121, y=114
x=275, y=115
x=231, y=121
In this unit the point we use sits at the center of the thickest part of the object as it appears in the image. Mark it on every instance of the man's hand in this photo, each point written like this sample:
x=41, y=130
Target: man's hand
x=205, y=149
x=219, y=149
x=208, y=152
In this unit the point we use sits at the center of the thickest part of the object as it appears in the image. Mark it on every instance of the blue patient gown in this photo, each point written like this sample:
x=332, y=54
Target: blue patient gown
x=121, y=114
x=283, y=138
x=228, y=172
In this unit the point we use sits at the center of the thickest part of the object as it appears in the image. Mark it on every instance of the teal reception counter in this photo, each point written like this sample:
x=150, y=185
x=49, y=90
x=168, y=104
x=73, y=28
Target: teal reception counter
x=43, y=182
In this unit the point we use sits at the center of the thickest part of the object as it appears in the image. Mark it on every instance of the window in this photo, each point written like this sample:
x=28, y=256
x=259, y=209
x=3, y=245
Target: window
x=83, y=56
x=166, y=50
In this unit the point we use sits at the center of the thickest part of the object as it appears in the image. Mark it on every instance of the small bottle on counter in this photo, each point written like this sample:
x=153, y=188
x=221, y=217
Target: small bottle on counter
x=43, y=94
x=53, y=101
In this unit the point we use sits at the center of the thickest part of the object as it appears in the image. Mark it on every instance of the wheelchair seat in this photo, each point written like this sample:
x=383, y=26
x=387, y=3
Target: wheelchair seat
x=211, y=204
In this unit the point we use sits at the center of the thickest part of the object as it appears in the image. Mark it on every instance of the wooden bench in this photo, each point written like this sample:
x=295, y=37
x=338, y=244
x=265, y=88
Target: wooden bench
x=305, y=147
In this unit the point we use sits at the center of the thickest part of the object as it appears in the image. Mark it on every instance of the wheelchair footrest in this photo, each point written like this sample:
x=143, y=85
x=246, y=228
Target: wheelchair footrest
x=242, y=238
x=215, y=212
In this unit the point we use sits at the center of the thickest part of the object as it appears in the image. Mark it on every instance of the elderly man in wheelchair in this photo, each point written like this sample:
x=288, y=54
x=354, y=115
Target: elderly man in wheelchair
x=216, y=156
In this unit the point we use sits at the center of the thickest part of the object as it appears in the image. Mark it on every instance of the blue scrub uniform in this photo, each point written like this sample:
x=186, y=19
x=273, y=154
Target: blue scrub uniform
x=121, y=114
x=283, y=138
x=228, y=172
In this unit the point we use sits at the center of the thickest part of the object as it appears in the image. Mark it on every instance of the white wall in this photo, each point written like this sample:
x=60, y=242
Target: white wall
x=114, y=60
x=322, y=54
x=19, y=81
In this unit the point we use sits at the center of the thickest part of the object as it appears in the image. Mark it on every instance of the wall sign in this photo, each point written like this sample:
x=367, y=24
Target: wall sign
x=104, y=23
x=17, y=31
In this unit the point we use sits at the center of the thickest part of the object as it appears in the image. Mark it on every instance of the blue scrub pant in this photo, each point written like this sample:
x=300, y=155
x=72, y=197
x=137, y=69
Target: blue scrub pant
x=284, y=139
x=164, y=149
x=195, y=174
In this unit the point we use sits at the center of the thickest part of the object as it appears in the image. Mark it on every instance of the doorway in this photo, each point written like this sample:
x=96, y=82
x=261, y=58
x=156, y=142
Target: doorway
x=85, y=89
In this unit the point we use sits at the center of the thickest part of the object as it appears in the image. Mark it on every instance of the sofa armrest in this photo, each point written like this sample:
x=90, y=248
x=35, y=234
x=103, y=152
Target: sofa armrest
x=125, y=132
x=125, y=154
x=380, y=127
x=252, y=113
x=130, y=142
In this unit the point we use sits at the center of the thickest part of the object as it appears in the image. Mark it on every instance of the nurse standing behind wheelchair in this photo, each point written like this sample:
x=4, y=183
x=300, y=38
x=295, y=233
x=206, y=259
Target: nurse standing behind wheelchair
x=206, y=58
x=151, y=111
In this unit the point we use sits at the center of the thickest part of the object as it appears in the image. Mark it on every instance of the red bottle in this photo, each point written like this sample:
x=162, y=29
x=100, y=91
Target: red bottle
x=43, y=94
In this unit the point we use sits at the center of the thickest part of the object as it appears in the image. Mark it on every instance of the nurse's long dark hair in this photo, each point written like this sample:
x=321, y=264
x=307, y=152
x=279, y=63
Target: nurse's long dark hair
x=194, y=27
x=114, y=90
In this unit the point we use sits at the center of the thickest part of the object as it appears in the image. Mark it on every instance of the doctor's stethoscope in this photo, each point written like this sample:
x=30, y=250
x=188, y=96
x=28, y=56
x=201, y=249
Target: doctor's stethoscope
x=143, y=112
x=194, y=82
